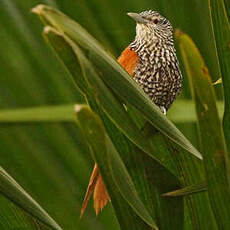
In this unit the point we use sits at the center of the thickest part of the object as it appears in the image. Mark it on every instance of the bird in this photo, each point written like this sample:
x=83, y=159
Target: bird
x=152, y=62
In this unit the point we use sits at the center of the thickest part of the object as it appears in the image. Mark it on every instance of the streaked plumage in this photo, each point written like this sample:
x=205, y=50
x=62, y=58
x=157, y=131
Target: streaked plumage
x=157, y=70
x=151, y=60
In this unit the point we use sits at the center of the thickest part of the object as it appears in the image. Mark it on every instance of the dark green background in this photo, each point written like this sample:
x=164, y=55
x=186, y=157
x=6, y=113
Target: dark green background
x=50, y=160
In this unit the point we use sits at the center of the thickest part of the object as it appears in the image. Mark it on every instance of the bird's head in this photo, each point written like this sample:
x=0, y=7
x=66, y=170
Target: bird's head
x=151, y=25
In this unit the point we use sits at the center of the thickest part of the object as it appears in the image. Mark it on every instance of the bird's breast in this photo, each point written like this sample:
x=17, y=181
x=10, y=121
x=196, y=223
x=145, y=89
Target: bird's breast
x=156, y=70
x=158, y=73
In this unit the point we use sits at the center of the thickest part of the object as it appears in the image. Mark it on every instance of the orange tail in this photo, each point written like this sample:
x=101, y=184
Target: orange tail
x=101, y=195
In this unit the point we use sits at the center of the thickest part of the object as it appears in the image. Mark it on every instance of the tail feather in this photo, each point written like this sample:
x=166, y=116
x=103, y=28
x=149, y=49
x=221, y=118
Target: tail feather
x=90, y=188
x=101, y=196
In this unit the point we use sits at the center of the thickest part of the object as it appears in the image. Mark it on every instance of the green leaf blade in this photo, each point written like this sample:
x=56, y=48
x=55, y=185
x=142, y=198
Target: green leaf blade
x=188, y=190
x=58, y=113
x=13, y=191
x=101, y=147
x=118, y=78
x=216, y=161
x=98, y=93
x=221, y=29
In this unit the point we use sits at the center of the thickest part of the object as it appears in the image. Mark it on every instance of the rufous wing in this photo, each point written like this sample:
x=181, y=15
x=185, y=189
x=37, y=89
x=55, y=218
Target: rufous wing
x=128, y=59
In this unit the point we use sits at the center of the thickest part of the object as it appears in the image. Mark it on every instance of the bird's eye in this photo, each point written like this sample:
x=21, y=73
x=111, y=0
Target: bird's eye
x=155, y=21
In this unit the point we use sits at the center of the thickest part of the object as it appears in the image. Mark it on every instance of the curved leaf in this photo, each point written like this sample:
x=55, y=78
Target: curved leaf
x=216, y=160
x=101, y=148
x=188, y=190
x=114, y=75
x=221, y=28
x=97, y=90
x=13, y=191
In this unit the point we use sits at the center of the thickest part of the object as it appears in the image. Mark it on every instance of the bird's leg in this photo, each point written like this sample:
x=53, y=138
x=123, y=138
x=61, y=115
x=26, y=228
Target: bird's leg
x=163, y=109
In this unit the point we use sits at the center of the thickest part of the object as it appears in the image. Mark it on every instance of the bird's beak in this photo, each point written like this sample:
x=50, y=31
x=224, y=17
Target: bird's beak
x=137, y=18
